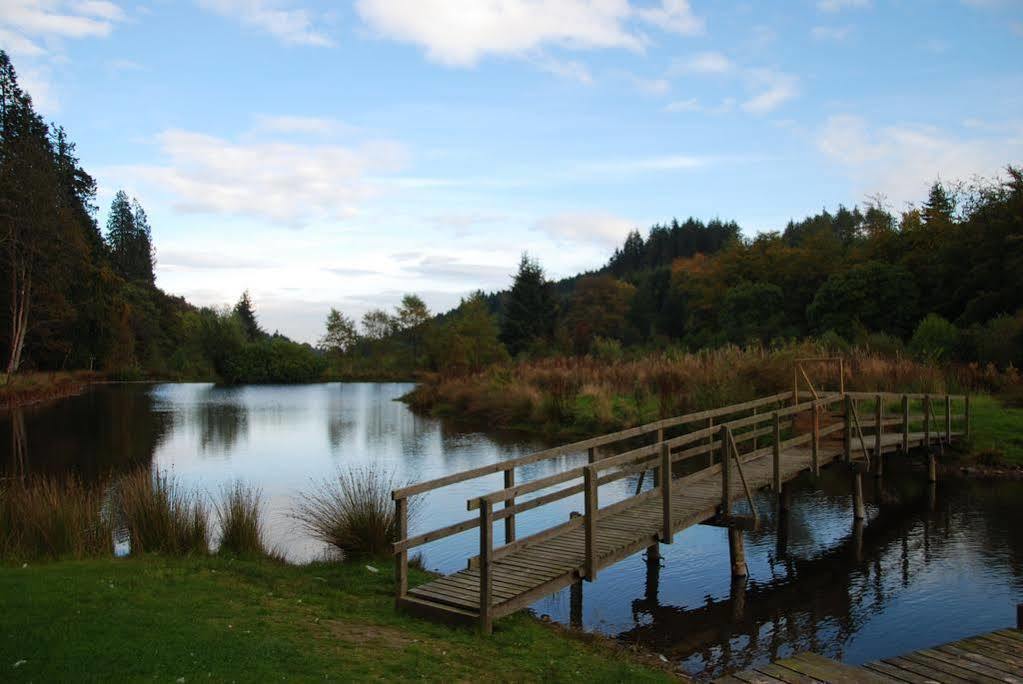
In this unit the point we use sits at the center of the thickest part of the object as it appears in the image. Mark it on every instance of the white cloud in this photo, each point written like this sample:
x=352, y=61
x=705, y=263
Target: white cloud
x=680, y=106
x=461, y=32
x=676, y=162
x=283, y=183
x=652, y=86
x=595, y=227
x=304, y=125
x=902, y=161
x=675, y=16
x=570, y=69
x=772, y=90
x=833, y=6
x=704, y=63
x=289, y=24
x=830, y=33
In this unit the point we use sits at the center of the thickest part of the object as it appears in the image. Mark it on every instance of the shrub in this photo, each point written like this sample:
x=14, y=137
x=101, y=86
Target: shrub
x=606, y=349
x=48, y=517
x=935, y=339
x=240, y=516
x=883, y=344
x=160, y=516
x=352, y=512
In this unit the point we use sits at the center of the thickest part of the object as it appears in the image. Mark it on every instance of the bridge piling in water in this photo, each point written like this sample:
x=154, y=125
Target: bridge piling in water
x=737, y=552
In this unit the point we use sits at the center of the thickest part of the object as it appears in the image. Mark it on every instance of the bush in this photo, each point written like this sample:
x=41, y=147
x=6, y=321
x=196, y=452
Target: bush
x=160, y=516
x=49, y=517
x=883, y=344
x=274, y=360
x=352, y=512
x=935, y=339
x=240, y=515
x=607, y=349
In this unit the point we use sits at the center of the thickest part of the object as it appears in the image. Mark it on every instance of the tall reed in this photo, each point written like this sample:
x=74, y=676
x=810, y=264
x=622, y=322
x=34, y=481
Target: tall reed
x=49, y=517
x=240, y=516
x=159, y=515
x=351, y=512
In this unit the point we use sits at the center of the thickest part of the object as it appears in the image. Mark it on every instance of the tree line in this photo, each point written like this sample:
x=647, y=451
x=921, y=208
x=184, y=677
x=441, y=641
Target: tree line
x=939, y=281
x=78, y=297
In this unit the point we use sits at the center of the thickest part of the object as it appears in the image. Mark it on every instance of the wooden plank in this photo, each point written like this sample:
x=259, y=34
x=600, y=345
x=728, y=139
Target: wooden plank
x=952, y=670
x=995, y=658
x=753, y=677
x=968, y=664
x=924, y=670
x=897, y=674
x=785, y=675
x=828, y=670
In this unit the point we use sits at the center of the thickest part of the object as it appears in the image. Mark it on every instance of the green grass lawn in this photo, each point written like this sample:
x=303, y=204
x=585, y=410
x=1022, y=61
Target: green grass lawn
x=996, y=428
x=215, y=619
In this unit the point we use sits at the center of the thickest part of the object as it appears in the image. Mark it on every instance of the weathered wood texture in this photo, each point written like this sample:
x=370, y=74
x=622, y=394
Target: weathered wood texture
x=993, y=657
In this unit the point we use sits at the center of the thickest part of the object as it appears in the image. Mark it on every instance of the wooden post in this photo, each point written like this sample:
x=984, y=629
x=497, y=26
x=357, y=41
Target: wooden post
x=841, y=375
x=668, y=527
x=726, y=475
x=927, y=420
x=948, y=419
x=401, y=558
x=591, y=455
x=966, y=416
x=795, y=383
x=710, y=442
x=756, y=426
x=590, y=521
x=815, y=444
x=878, y=436
x=486, y=561
x=776, y=451
x=509, y=522
x=737, y=552
x=905, y=424
x=859, y=509
x=847, y=431
x=575, y=605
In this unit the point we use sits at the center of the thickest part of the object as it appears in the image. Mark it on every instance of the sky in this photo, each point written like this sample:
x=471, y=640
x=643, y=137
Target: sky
x=341, y=154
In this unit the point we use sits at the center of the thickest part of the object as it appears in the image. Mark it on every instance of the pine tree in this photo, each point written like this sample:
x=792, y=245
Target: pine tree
x=530, y=311
x=143, y=258
x=121, y=234
x=246, y=314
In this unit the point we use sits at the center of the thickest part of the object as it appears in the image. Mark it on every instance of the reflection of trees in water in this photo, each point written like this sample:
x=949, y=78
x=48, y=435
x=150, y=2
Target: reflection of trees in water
x=222, y=421
x=818, y=604
x=107, y=429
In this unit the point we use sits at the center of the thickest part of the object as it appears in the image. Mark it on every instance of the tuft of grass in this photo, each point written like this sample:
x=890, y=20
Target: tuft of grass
x=351, y=512
x=240, y=516
x=48, y=517
x=159, y=515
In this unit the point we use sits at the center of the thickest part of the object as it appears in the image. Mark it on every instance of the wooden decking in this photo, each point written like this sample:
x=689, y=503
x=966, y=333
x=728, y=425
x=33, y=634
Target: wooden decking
x=714, y=459
x=993, y=657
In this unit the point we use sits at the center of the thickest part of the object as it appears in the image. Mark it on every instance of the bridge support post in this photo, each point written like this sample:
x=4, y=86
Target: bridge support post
x=858, y=526
x=785, y=498
x=509, y=522
x=859, y=508
x=590, y=521
x=668, y=529
x=847, y=431
x=879, y=436
x=738, y=592
x=948, y=419
x=966, y=417
x=932, y=466
x=575, y=604
x=776, y=452
x=401, y=558
x=905, y=424
x=737, y=552
x=815, y=443
x=486, y=561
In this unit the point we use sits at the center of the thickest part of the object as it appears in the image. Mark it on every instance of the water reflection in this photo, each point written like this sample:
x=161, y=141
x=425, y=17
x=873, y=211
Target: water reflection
x=932, y=563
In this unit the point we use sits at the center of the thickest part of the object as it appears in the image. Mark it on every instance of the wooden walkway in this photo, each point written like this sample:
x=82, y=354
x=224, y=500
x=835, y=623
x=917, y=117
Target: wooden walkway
x=988, y=658
x=713, y=466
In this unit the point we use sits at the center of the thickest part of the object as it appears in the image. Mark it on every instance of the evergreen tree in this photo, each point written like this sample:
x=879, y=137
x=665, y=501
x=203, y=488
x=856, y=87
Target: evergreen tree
x=411, y=316
x=530, y=311
x=143, y=255
x=246, y=315
x=121, y=234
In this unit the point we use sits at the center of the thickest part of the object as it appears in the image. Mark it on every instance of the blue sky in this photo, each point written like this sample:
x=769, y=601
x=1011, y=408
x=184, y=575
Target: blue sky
x=340, y=154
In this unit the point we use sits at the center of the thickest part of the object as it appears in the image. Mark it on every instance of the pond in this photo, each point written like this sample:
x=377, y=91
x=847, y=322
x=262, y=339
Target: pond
x=933, y=563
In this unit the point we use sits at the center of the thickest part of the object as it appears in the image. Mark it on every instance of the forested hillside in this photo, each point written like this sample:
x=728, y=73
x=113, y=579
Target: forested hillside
x=78, y=297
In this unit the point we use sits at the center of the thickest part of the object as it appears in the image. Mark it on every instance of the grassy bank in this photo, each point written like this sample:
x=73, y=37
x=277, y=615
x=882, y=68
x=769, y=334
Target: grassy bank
x=997, y=432
x=220, y=619
x=29, y=388
x=566, y=397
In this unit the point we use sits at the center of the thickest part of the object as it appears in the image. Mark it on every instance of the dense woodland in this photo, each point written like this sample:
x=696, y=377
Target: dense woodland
x=940, y=282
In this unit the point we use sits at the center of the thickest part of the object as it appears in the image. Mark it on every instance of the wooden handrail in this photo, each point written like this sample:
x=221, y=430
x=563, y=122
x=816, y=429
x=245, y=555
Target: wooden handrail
x=554, y=452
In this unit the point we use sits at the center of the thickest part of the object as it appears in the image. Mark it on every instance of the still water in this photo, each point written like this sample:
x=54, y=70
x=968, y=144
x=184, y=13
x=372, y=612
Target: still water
x=932, y=563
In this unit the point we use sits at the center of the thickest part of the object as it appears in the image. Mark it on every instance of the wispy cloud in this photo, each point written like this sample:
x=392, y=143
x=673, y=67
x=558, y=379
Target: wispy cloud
x=771, y=89
x=835, y=34
x=280, y=18
x=586, y=226
x=833, y=6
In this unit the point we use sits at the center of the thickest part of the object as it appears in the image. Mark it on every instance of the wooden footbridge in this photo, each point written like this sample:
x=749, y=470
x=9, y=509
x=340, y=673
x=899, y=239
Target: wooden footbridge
x=701, y=464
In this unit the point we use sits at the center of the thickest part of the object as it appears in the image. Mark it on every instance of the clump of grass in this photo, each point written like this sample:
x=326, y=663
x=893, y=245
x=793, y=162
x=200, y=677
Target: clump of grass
x=240, y=515
x=159, y=515
x=352, y=512
x=49, y=517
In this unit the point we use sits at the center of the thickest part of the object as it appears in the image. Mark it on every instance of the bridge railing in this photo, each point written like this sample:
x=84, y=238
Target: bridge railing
x=508, y=467
x=734, y=440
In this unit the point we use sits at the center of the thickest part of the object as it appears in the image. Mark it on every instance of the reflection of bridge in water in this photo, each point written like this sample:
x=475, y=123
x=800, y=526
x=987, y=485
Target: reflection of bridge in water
x=819, y=603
